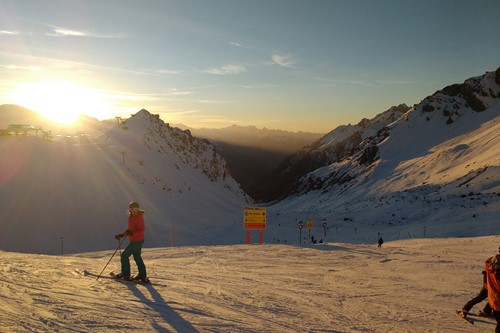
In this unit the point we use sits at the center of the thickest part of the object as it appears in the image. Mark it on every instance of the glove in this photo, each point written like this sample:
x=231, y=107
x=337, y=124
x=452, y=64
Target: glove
x=118, y=236
x=128, y=232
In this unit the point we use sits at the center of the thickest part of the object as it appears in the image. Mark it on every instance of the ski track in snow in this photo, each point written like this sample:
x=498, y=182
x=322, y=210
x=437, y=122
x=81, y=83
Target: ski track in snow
x=405, y=286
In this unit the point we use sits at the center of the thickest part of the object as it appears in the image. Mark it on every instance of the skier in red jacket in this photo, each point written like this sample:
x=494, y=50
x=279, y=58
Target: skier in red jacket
x=492, y=268
x=135, y=233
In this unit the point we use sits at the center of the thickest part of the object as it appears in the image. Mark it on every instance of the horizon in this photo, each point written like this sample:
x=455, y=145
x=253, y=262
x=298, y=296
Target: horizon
x=284, y=65
x=178, y=125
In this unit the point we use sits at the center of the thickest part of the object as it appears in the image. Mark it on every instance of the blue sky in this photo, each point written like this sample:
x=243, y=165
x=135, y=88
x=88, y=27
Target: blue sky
x=284, y=64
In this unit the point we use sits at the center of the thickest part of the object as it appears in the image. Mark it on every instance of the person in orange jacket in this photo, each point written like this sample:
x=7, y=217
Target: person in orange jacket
x=135, y=233
x=492, y=268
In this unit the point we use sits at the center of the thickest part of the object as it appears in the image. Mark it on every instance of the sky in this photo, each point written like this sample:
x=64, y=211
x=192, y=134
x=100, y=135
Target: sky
x=307, y=65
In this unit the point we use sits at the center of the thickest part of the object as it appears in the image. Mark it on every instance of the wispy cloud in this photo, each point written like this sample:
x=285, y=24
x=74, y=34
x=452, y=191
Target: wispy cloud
x=226, y=70
x=58, y=65
x=215, y=101
x=166, y=71
x=373, y=83
x=286, y=60
x=239, y=45
x=175, y=92
x=21, y=68
x=393, y=82
x=183, y=112
x=65, y=32
x=5, y=32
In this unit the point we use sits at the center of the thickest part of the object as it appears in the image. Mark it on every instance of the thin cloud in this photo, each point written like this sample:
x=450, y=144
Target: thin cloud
x=181, y=112
x=226, y=70
x=175, y=92
x=241, y=46
x=393, y=82
x=5, y=32
x=166, y=71
x=286, y=61
x=214, y=101
x=58, y=65
x=65, y=32
x=21, y=68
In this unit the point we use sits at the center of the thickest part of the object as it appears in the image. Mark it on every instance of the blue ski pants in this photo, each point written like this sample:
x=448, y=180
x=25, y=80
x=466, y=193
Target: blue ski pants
x=133, y=249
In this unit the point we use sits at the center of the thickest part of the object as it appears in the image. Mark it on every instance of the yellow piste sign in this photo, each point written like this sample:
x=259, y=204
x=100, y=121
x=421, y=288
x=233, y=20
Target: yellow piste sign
x=309, y=224
x=254, y=218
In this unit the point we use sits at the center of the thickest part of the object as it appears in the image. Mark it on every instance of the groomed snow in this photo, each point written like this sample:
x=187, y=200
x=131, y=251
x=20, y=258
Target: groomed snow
x=406, y=286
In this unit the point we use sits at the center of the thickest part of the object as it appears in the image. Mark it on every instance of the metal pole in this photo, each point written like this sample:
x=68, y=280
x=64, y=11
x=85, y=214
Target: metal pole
x=119, y=244
x=171, y=235
x=301, y=225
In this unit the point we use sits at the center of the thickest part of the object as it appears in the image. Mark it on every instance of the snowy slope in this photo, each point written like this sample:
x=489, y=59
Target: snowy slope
x=333, y=147
x=364, y=129
x=78, y=187
x=435, y=168
x=411, y=286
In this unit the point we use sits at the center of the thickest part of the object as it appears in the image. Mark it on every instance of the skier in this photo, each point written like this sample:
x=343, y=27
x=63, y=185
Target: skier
x=483, y=293
x=135, y=233
x=492, y=268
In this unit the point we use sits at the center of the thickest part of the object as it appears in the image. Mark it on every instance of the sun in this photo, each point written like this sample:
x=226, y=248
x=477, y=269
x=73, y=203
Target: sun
x=60, y=101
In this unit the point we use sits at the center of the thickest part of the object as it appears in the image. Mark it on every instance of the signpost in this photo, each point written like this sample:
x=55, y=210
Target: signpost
x=301, y=225
x=254, y=218
x=309, y=227
x=325, y=226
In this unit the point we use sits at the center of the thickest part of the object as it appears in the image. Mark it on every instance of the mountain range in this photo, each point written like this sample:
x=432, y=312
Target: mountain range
x=431, y=169
x=435, y=169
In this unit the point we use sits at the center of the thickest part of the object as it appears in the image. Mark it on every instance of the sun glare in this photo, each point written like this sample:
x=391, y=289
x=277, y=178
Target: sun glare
x=59, y=101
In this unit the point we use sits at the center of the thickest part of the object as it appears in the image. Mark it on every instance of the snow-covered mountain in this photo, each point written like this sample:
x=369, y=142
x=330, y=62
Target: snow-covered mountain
x=78, y=187
x=331, y=148
x=433, y=168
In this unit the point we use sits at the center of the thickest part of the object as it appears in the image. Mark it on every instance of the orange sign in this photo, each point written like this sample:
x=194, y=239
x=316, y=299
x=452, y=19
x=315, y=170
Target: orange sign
x=254, y=218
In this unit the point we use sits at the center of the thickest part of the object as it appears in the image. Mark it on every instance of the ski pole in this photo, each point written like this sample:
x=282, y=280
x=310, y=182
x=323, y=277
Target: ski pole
x=119, y=244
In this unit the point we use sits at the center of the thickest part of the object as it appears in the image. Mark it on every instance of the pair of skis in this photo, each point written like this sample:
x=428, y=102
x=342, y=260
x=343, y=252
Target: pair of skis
x=114, y=276
x=469, y=320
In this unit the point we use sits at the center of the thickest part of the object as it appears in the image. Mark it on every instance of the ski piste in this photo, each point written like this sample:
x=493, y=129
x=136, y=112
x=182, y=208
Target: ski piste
x=468, y=320
x=112, y=276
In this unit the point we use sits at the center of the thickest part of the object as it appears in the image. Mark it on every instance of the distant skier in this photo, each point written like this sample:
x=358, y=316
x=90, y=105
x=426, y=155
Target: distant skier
x=492, y=268
x=380, y=242
x=135, y=233
x=482, y=295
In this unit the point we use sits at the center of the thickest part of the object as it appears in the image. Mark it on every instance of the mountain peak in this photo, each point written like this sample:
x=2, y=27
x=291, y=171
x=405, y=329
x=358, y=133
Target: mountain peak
x=442, y=154
x=475, y=94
